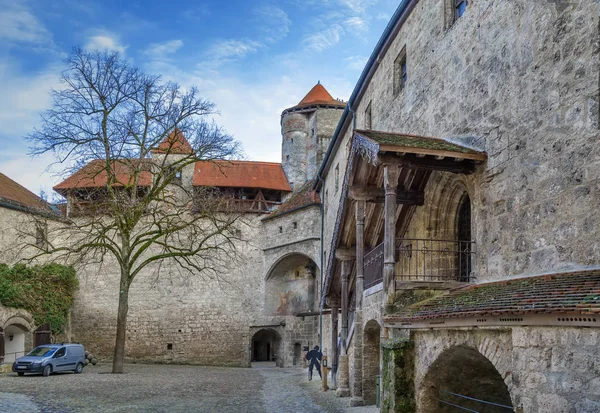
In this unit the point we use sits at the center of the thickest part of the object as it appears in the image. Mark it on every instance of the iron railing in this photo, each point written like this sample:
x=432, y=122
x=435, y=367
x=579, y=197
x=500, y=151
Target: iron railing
x=373, y=267
x=434, y=260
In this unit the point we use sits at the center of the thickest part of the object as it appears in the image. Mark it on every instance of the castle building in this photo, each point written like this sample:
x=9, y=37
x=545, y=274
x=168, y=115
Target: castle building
x=461, y=227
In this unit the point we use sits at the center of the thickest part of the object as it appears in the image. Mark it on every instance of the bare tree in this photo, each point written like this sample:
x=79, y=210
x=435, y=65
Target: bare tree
x=120, y=133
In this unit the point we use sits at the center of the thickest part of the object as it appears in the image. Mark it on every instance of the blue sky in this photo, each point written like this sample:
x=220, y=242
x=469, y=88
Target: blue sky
x=252, y=58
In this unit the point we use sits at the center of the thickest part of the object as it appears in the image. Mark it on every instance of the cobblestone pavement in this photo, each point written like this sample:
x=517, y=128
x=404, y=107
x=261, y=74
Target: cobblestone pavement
x=173, y=389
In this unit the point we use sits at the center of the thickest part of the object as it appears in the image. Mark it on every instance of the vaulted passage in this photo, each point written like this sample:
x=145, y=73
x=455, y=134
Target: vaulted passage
x=266, y=346
x=462, y=379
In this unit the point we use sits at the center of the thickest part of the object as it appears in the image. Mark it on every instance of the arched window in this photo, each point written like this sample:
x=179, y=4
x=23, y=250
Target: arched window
x=463, y=235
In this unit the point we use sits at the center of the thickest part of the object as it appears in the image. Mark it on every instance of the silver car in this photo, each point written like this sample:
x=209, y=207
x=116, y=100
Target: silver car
x=51, y=358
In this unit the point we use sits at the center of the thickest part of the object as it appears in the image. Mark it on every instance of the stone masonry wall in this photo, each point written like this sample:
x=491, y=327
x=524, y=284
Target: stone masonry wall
x=546, y=369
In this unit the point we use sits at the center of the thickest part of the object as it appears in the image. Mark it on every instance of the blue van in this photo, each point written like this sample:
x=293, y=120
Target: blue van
x=51, y=358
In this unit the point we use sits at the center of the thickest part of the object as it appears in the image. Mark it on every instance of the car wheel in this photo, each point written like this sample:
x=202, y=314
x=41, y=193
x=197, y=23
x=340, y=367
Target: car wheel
x=20, y=373
x=79, y=368
x=47, y=370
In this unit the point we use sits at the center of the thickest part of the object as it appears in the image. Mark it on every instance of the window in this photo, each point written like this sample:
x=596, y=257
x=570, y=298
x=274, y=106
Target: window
x=459, y=8
x=295, y=225
x=368, y=117
x=280, y=230
x=41, y=231
x=400, y=71
x=60, y=353
x=176, y=175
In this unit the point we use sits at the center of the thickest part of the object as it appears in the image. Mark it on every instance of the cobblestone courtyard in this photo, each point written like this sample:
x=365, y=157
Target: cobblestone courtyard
x=153, y=388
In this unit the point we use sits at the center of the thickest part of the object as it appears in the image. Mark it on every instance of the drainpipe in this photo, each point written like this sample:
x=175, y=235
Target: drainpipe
x=322, y=262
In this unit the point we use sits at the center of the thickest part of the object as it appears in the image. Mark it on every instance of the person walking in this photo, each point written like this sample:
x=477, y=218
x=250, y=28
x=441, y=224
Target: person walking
x=314, y=356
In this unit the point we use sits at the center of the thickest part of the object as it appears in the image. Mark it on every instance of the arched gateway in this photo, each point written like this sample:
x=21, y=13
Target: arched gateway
x=462, y=379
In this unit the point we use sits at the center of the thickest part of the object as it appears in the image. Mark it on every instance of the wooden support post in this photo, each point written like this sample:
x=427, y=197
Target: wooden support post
x=343, y=389
x=360, y=252
x=390, y=176
x=334, y=340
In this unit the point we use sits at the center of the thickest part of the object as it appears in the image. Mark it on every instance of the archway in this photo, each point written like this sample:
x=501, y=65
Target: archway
x=266, y=345
x=464, y=236
x=461, y=376
x=370, y=361
x=14, y=342
x=297, y=354
x=291, y=286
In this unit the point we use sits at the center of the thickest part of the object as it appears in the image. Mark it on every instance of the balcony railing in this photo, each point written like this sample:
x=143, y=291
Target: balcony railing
x=373, y=266
x=434, y=260
x=247, y=205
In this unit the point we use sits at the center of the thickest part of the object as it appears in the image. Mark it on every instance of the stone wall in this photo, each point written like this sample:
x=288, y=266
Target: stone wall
x=544, y=369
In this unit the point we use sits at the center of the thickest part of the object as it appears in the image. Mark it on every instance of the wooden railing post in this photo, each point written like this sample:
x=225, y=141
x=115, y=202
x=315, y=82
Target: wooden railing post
x=390, y=176
x=360, y=252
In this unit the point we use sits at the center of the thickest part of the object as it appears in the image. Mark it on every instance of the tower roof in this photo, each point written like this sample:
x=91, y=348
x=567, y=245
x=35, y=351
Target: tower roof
x=175, y=143
x=318, y=95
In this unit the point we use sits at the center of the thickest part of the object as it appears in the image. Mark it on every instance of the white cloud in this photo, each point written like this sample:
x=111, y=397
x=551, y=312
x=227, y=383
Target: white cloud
x=356, y=62
x=104, y=41
x=161, y=50
x=19, y=25
x=356, y=24
x=274, y=23
x=223, y=51
x=325, y=39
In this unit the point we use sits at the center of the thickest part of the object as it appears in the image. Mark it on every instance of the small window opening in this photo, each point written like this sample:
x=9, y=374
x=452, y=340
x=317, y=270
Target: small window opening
x=459, y=8
x=280, y=230
x=176, y=175
x=368, y=117
x=287, y=157
x=337, y=177
x=295, y=225
x=400, y=71
x=169, y=346
x=40, y=235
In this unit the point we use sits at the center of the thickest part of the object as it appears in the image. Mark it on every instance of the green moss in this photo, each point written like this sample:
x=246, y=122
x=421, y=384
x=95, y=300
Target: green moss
x=46, y=291
x=415, y=141
x=398, y=377
x=409, y=297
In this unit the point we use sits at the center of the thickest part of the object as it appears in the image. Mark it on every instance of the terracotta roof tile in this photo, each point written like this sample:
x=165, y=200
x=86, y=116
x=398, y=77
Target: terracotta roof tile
x=318, y=95
x=241, y=174
x=305, y=196
x=175, y=143
x=93, y=175
x=557, y=293
x=15, y=194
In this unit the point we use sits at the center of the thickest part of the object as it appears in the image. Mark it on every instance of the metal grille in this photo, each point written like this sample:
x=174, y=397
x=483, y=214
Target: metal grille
x=373, y=266
x=434, y=260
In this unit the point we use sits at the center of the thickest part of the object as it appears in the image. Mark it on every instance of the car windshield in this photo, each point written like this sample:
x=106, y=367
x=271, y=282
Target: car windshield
x=42, y=351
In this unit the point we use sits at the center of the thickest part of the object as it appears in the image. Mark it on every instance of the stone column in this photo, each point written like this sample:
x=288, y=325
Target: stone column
x=357, y=343
x=390, y=176
x=343, y=389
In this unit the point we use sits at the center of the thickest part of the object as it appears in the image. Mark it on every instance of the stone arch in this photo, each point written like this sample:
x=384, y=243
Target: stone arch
x=17, y=340
x=291, y=285
x=371, y=360
x=463, y=370
x=448, y=191
x=265, y=345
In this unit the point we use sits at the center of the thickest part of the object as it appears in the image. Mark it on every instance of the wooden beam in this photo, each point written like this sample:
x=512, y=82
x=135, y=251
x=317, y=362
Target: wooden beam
x=414, y=162
x=345, y=254
x=377, y=195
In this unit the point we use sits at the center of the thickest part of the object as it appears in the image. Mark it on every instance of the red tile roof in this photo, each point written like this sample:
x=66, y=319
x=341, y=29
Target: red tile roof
x=93, y=175
x=241, y=174
x=175, y=143
x=573, y=292
x=303, y=198
x=14, y=194
x=318, y=95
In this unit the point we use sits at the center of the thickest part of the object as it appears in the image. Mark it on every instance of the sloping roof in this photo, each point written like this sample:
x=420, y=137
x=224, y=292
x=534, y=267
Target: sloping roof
x=93, y=175
x=17, y=195
x=574, y=292
x=175, y=143
x=401, y=142
x=305, y=197
x=318, y=95
x=241, y=174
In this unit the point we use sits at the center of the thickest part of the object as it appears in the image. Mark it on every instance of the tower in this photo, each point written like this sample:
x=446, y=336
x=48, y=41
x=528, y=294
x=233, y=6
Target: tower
x=306, y=130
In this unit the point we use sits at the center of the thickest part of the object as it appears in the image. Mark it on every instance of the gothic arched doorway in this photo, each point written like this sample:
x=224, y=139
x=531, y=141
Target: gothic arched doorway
x=464, y=237
x=461, y=376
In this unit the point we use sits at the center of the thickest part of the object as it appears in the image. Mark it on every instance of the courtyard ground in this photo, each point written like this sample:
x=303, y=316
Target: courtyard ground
x=154, y=388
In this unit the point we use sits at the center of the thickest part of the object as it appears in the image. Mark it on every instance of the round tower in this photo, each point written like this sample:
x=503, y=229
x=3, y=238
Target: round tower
x=306, y=130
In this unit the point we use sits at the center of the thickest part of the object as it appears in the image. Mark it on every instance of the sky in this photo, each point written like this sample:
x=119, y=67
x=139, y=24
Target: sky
x=252, y=59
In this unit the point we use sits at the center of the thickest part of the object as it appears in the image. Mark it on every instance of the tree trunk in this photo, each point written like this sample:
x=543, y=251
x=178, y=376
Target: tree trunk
x=119, y=356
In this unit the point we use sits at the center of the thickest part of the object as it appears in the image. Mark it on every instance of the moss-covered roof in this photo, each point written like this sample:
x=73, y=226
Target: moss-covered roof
x=413, y=141
x=577, y=292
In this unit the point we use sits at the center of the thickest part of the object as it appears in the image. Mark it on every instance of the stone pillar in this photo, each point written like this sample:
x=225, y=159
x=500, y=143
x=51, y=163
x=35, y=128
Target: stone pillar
x=343, y=389
x=390, y=176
